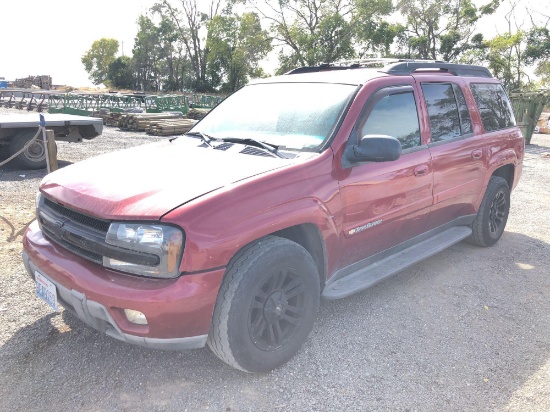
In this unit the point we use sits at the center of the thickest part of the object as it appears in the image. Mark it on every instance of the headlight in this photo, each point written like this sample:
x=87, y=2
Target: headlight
x=37, y=199
x=165, y=242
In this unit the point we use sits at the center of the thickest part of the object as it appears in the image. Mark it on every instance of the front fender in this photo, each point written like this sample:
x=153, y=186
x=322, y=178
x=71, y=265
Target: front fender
x=213, y=241
x=218, y=224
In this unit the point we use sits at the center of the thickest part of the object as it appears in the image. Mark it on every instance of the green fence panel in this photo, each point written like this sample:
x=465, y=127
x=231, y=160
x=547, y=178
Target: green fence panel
x=527, y=108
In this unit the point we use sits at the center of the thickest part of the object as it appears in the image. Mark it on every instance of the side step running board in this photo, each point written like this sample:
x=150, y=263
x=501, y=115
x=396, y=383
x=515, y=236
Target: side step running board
x=376, y=272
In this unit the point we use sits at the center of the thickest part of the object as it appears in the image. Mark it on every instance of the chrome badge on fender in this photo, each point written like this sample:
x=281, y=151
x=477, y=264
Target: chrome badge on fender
x=365, y=227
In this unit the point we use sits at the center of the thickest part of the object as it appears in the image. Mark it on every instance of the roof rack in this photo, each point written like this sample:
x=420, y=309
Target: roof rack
x=404, y=67
x=367, y=62
x=398, y=67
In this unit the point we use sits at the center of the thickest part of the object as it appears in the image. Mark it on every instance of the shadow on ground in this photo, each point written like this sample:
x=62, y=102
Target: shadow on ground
x=464, y=330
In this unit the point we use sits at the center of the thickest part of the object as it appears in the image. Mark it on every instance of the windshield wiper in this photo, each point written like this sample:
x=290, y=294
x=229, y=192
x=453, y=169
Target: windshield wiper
x=204, y=137
x=271, y=148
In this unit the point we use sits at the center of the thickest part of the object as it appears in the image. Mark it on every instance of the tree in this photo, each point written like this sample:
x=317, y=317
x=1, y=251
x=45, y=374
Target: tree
x=236, y=45
x=190, y=22
x=543, y=71
x=439, y=29
x=120, y=74
x=373, y=34
x=147, y=55
x=508, y=54
x=506, y=59
x=96, y=60
x=309, y=32
x=537, y=52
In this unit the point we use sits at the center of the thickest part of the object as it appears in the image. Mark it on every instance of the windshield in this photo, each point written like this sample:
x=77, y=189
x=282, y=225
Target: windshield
x=296, y=116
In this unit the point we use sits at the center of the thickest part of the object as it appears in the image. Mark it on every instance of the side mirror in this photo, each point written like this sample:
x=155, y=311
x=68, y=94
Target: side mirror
x=374, y=148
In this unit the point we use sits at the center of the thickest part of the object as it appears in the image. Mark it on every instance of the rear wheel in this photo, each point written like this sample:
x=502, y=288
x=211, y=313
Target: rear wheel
x=34, y=157
x=266, y=305
x=493, y=213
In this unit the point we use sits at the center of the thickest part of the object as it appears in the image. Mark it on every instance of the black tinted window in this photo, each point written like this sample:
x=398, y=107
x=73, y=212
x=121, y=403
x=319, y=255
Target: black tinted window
x=494, y=107
x=442, y=110
x=395, y=115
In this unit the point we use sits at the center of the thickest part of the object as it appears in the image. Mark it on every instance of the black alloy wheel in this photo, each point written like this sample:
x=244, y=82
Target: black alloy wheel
x=277, y=310
x=498, y=212
x=492, y=215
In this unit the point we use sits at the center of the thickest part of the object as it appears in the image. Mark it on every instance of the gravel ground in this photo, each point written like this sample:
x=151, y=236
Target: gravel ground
x=468, y=329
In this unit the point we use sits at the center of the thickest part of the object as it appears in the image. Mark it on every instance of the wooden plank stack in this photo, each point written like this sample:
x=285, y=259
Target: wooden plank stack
x=140, y=121
x=111, y=119
x=170, y=127
x=156, y=124
x=43, y=82
x=197, y=114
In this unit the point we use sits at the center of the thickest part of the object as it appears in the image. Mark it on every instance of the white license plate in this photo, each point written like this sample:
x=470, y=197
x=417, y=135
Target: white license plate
x=46, y=290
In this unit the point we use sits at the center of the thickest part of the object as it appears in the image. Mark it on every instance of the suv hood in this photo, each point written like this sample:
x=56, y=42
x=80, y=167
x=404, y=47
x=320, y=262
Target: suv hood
x=146, y=182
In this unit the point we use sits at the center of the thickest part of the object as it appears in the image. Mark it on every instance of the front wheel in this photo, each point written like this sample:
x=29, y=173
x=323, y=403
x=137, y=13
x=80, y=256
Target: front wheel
x=266, y=305
x=493, y=213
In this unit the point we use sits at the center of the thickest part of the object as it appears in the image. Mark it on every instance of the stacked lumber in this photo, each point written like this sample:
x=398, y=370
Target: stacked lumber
x=197, y=114
x=111, y=118
x=140, y=121
x=170, y=127
x=42, y=82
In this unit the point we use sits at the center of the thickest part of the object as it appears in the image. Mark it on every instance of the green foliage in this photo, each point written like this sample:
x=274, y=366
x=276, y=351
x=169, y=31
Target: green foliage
x=147, y=53
x=236, y=45
x=190, y=23
x=120, y=74
x=372, y=33
x=543, y=71
x=218, y=45
x=312, y=32
x=537, y=51
x=439, y=29
x=538, y=44
x=98, y=58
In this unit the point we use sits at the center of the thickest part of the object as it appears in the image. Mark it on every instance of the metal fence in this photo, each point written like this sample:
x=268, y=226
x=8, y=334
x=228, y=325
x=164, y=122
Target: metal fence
x=527, y=108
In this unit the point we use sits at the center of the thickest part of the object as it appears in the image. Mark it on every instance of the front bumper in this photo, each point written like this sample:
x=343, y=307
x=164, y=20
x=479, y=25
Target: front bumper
x=179, y=311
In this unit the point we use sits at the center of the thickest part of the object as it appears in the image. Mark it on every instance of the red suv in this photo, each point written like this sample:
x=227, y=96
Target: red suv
x=321, y=182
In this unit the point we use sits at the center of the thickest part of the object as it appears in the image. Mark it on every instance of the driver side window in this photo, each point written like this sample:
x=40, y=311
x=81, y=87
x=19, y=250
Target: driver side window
x=394, y=115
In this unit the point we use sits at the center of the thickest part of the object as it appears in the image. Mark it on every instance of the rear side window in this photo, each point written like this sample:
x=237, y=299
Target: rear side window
x=394, y=115
x=447, y=110
x=494, y=107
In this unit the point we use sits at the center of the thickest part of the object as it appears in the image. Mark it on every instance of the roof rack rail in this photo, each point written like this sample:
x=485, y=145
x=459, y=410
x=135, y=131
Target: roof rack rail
x=320, y=68
x=404, y=67
x=345, y=65
x=366, y=62
x=398, y=67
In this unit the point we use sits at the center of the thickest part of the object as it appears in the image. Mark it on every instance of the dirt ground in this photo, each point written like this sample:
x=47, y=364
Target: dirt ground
x=468, y=329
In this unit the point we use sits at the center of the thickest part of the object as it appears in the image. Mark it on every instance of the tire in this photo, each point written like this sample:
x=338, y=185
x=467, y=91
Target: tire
x=4, y=152
x=492, y=215
x=266, y=305
x=35, y=155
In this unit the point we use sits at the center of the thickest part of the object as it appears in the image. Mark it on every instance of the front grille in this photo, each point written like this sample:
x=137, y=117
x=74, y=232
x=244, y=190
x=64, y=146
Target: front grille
x=84, y=235
x=86, y=254
x=85, y=220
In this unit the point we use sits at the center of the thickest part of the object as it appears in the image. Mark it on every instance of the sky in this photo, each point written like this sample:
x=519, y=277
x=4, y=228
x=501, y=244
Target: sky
x=49, y=37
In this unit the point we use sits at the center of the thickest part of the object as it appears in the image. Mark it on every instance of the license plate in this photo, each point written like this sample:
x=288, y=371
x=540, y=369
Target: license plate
x=46, y=290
